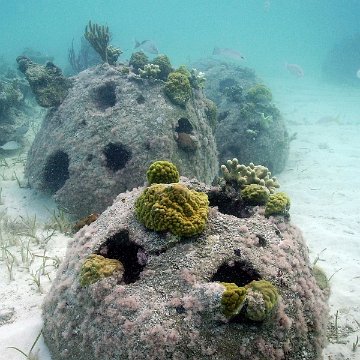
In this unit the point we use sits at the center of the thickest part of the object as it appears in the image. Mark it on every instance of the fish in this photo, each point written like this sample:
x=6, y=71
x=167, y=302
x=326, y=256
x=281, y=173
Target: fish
x=295, y=70
x=358, y=74
x=21, y=130
x=329, y=120
x=227, y=52
x=147, y=46
x=11, y=145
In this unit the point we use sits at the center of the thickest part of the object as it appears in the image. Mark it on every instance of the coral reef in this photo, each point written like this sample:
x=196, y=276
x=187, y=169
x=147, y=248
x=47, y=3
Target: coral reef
x=249, y=126
x=178, y=88
x=259, y=94
x=96, y=267
x=172, y=208
x=255, y=194
x=162, y=172
x=278, y=204
x=108, y=131
x=241, y=289
x=261, y=299
x=233, y=299
x=99, y=36
x=150, y=71
x=47, y=82
x=164, y=65
x=239, y=175
x=138, y=60
x=15, y=112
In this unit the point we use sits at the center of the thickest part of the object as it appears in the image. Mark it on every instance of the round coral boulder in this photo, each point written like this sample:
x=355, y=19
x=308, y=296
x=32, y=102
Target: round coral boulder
x=109, y=128
x=242, y=288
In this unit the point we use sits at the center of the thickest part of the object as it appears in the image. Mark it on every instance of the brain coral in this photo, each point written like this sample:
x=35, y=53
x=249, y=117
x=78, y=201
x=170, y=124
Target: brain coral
x=173, y=207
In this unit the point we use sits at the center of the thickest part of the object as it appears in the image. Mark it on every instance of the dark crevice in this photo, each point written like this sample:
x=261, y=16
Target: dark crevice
x=240, y=272
x=56, y=171
x=117, y=155
x=105, y=96
x=184, y=126
x=131, y=255
x=228, y=201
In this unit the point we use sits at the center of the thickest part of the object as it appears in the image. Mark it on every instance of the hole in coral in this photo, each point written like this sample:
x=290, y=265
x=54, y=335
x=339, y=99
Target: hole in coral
x=229, y=202
x=240, y=272
x=56, y=171
x=132, y=256
x=117, y=155
x=105, y=95
x=90, y=157
x=140, y=99
x=262, y=240
x=184, y=126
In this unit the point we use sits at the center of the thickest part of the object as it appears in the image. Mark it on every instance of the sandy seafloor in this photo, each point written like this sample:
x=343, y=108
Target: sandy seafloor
x=322, y=177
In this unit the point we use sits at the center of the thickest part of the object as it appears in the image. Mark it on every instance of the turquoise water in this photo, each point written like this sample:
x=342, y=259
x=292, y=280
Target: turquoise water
x=269, y=33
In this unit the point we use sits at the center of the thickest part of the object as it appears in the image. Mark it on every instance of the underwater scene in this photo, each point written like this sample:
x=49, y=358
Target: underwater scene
x=172, y=180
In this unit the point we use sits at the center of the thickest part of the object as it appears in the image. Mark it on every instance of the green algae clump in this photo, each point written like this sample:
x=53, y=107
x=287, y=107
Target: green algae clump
x=278, y=204
x=174, y=208
x=162, y=172
x=261, y=299
x=97, y=267
x=232, y=299
x=164, y=64
x=178, y=88
x=255, y=194
x=259, y=93
x=138, y=60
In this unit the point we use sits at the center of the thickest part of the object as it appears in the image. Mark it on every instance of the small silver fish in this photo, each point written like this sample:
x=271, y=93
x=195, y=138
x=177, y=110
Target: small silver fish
x=329, y=120
x=230, y=53
x=147, y=46
x=11, y=145
x=22, y=130
x=295, y=70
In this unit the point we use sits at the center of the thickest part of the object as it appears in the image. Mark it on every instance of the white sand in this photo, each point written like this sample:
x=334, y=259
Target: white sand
x=322, y=178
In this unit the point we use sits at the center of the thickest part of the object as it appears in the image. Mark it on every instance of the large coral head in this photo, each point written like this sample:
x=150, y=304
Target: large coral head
x=173, y=208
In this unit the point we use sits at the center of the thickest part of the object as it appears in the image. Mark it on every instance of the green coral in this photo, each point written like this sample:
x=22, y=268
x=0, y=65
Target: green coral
x=164, y=65
x=173, y=207
x=255, y=194
x=178, y=88
x=278, y=204
x=162, y=172
x=233, y=299
x=261, y=299
x=97, y=267
x=138, y=60
x=259, y=94
x=239, y=175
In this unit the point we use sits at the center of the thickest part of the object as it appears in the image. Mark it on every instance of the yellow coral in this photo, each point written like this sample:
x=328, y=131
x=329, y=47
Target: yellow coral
x=278, y=204
x=173, y=207
x=232, y=299
x=97, y=267
x=255, y=194
x=162, y=172
x=261, y=299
